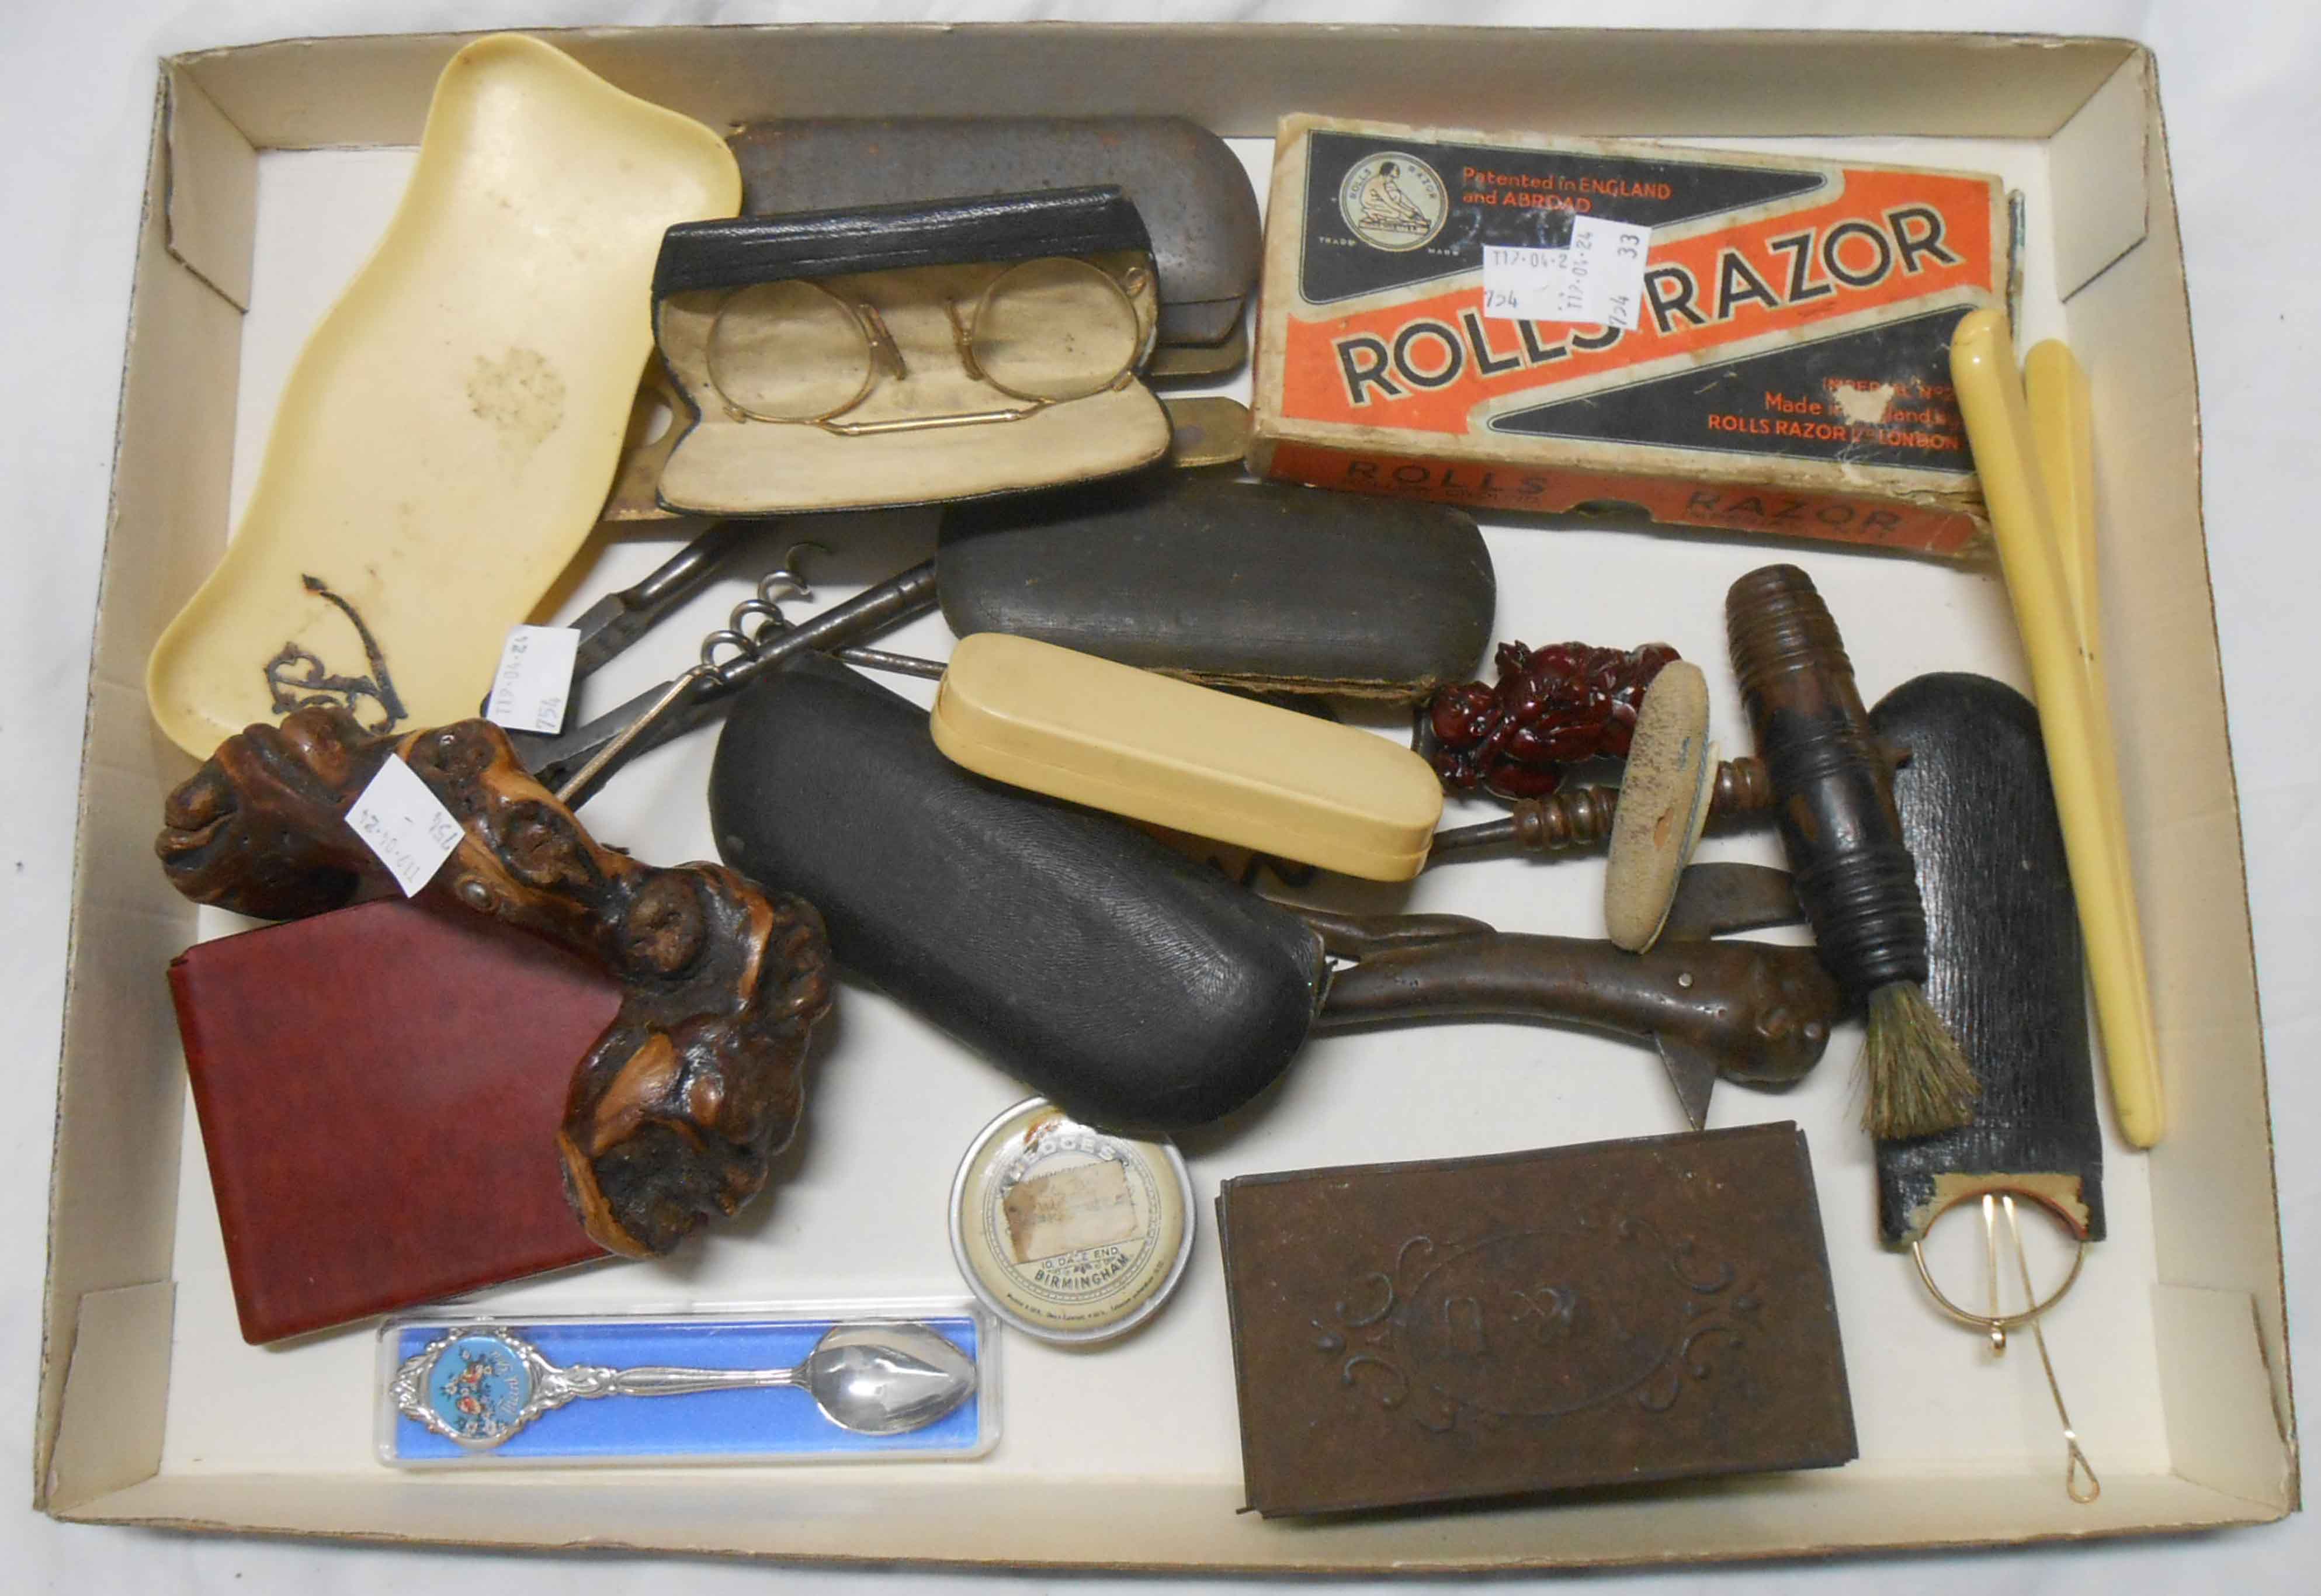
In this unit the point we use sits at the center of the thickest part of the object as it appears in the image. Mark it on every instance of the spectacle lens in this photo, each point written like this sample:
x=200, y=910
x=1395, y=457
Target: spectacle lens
x=789, y=350
x=1053, y=329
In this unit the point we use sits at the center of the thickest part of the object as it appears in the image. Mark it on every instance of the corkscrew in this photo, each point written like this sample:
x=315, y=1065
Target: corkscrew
x=748, y=641
x=756, y=638
x=1576, y=818
x=1551, y=708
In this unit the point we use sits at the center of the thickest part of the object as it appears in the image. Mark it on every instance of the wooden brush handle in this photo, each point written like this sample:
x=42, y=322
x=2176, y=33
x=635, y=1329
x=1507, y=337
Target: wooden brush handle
x=1833, y=785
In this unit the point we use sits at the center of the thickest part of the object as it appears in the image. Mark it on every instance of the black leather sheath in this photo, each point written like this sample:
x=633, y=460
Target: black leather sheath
x=1107, y=971
x=1248, y=584
x=2003, y=967
x=731, y=253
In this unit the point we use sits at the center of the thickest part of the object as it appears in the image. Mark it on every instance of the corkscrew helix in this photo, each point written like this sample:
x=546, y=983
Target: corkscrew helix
x=745, y=640
x=748, y=643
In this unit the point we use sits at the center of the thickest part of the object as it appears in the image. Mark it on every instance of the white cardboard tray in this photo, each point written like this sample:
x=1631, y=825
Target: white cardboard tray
x=2171, y=1345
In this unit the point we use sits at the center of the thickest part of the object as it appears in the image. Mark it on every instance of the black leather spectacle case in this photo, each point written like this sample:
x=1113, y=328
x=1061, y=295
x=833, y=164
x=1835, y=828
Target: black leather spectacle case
x=2006, y=970
x=1190, y=189
x=1252, y=584
x=743, y=251
x=1090, y=961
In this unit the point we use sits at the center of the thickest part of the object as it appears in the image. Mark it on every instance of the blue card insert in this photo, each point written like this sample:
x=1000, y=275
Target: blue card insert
x=475, y=1380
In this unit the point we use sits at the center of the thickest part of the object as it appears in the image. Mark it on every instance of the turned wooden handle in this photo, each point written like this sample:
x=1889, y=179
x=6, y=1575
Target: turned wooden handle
x=1833, y=785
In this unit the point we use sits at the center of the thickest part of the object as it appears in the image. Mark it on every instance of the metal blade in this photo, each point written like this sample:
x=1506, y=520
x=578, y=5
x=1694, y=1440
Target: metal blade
x=608, y=626
x=1714, y=898
x=553, y=758
x=1693, y=1073
x=614, y=622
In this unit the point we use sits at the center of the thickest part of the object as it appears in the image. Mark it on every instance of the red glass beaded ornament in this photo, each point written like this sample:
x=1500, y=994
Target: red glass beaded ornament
x=1551, y=709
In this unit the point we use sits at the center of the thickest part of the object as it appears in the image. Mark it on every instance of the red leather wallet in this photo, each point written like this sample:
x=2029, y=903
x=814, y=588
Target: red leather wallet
x=380, y=1089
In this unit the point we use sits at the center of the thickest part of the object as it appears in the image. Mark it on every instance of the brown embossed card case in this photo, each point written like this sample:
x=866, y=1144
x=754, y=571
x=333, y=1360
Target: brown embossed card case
x=1609, y=1314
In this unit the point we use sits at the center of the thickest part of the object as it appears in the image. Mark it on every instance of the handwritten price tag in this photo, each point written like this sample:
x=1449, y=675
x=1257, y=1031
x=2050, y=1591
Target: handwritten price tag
x=1598, y=281
x=535, y=678
x=1604, y=276
x=403, y=823
x=1522, y=285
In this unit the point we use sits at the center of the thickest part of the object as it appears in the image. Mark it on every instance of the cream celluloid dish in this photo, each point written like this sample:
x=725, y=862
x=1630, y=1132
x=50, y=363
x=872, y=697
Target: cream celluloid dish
x=448, y=432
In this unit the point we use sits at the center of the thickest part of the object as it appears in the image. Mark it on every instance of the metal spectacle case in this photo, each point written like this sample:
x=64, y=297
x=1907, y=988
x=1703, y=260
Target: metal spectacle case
x=1997, y=1324
x=967, y=339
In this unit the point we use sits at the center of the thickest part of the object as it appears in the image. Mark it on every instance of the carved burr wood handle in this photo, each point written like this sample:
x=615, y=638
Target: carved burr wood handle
x=677, y=1110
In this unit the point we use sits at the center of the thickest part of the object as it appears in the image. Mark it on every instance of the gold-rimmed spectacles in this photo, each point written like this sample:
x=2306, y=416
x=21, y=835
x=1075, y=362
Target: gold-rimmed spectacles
x=1044, y=331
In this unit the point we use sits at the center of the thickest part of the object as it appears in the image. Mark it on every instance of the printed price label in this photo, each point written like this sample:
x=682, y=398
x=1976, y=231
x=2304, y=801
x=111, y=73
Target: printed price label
x=1598, y=281
x=535, y=678
x=403, y=823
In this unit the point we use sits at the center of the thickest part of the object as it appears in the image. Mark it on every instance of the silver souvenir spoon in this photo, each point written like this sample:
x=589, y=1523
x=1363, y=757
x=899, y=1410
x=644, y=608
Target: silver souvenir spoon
x=480, y=1384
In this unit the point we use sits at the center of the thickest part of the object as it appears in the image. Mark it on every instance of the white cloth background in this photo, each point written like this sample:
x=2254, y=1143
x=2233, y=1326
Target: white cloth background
x=2244, y=132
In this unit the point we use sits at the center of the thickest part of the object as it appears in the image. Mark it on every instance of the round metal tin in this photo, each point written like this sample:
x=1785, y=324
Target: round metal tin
x=1069, y=1233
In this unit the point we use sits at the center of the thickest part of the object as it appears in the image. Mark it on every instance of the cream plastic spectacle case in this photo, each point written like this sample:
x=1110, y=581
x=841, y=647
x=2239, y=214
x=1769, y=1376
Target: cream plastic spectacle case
x=1171, y=753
